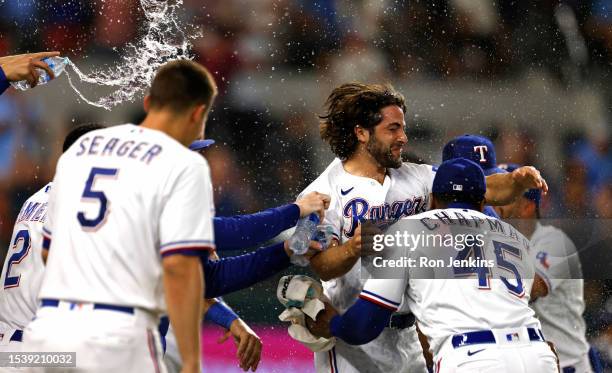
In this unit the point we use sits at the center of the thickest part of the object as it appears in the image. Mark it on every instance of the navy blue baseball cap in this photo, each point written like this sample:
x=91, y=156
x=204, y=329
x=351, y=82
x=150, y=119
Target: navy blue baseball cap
x=532, y=194
x=477, y=148
x=462, y=178
x=201, y=144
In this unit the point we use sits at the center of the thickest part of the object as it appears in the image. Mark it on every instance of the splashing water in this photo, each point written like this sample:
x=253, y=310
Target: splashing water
x=165, y=39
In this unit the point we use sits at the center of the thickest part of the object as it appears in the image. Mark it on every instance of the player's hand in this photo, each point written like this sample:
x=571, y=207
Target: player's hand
x=248, y=343
x=529, y=177
x=23, y=66
x=313, y=202
x=367, y=234
x=320, y=326
x=355, y=243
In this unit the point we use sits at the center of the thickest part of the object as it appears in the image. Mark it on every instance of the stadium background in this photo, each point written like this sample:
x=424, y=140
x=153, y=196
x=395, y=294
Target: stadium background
x=532, y=75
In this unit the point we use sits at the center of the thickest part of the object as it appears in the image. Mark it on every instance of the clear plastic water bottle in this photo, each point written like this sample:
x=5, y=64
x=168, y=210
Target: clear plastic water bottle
x=324, y=235
x=56, y=64
x=305, y=231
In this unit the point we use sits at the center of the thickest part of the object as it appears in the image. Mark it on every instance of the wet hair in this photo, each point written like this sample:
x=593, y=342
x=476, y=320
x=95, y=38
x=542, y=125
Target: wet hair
x=181, y=84
x=354, y=104
x=77, y=132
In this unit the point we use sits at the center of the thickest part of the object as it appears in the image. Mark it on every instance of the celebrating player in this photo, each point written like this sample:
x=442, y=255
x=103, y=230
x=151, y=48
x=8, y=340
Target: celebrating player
x=482, y=323
x=128, y=205
x=364, y=126
x=557, y=295
x=23, y=270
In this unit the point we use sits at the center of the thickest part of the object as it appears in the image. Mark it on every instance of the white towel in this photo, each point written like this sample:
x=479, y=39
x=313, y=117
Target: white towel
x=302, y=296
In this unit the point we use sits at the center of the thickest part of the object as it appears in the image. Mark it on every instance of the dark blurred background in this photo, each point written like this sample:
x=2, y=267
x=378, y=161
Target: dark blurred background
x=535, y=76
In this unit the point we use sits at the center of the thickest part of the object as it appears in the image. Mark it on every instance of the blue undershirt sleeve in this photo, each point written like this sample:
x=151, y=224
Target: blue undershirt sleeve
x=361, y=323
x=235, y=273
x=241, y=231
x=4, y=83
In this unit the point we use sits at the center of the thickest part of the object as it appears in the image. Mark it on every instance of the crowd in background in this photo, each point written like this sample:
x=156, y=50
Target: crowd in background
x=262, y=159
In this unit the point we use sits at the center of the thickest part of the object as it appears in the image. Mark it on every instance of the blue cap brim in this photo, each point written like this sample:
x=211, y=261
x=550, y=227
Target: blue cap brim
x=201, y=144
x=494, y=170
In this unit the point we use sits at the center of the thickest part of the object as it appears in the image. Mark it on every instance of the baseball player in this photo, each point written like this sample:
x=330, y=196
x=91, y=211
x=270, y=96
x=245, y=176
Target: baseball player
x=482, y=323
x=23, y=269
x=480, y=150
x=130, y=204
x=364, y=126
x=557, y=295
x=236, y=273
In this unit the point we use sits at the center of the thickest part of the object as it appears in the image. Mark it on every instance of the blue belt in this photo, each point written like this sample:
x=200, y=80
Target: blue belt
x=17, y=336
x=96, y=306
x=487, y=336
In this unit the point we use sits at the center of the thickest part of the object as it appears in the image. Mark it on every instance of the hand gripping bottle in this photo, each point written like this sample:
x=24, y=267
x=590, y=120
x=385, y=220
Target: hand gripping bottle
x=56, y=64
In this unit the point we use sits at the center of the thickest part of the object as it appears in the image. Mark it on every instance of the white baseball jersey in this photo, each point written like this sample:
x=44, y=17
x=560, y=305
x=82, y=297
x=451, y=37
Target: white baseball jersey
x=444, y=307
x=405, y=191
x=560, y=312
x=122, y=198
x=23, y=268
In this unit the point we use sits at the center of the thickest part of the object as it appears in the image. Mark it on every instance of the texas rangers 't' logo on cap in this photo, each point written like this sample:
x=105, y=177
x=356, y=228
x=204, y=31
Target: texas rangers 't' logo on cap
x=482, y=149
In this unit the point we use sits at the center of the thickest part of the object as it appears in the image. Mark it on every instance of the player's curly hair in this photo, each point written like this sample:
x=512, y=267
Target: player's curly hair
x=354, y=104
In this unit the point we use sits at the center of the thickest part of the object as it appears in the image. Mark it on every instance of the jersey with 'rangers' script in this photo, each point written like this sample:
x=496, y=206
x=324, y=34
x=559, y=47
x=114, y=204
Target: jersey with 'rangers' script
x=404, y=192
x=123, y=198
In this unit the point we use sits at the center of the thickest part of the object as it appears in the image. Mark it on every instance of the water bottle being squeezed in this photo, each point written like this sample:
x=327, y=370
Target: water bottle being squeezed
x=306, y=230
x=56, y=64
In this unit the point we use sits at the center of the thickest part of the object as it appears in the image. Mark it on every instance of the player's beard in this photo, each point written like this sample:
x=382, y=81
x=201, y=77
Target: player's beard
x=382, y=153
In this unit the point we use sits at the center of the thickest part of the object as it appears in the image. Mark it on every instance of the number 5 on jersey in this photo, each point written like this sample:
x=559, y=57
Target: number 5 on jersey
x=90, y=194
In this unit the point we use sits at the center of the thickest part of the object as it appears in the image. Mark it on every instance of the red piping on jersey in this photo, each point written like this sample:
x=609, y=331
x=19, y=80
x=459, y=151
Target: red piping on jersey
x=152, y=350
x=372, y=300
x=205, y=248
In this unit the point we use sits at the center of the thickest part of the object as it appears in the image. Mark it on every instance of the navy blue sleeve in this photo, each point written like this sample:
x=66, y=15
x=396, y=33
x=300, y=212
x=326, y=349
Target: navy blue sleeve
x=4, y=83
x=361, y=323
x=238, y=232
x=235, y=273
x=490, y=211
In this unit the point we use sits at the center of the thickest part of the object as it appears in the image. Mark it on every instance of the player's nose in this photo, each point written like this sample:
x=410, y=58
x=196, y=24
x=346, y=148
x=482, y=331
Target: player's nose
x=403, y=138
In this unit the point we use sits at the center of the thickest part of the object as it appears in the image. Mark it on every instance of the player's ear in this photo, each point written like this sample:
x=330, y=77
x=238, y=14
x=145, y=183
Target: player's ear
x=363, y=135
x=146, y=103
x=433, y=205
x=530, y=207
x=198, y=112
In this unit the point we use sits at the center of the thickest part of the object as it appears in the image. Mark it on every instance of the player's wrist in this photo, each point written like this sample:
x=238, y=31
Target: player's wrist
x=191, y=364
x=354, y=250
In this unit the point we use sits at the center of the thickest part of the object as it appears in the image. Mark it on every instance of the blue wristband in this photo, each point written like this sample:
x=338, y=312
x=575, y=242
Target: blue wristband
x=220, y=314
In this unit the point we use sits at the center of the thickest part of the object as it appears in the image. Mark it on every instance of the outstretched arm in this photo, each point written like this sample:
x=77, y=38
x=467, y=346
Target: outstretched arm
x=337, y=259
x=235, y=273
x=360, y=324
x=23, y=67
x=502, y=189
x=238, y=232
